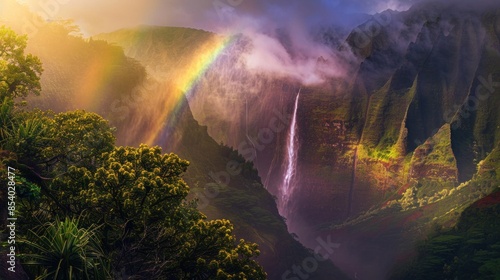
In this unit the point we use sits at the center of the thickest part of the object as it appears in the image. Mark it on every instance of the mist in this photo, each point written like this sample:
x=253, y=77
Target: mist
x=283, y=41
x=285, y=35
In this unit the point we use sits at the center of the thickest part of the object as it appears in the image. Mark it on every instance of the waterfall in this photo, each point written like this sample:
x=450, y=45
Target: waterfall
x=292, y=148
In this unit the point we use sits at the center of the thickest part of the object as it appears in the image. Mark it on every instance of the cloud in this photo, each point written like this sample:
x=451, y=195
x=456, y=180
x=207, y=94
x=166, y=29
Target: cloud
x=311, y=66
x=97, y=16
x=281, y=30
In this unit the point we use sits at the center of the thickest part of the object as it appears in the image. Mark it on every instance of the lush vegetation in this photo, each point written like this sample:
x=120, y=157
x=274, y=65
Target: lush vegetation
x=468, y=251
x=103, y=211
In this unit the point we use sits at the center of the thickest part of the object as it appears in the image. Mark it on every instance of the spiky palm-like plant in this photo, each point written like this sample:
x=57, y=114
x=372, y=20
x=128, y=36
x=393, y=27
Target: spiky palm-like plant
x=62, y=250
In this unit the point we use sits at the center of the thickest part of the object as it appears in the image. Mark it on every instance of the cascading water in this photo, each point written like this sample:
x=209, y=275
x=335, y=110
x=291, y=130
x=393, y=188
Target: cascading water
x=292, y=148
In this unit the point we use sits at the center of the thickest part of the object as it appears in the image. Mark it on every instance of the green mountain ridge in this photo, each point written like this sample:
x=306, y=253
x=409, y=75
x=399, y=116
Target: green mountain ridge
x=426, y=130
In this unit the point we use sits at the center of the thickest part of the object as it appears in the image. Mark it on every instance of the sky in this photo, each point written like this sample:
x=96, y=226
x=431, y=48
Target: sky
x=97, y=16
x=266, y=22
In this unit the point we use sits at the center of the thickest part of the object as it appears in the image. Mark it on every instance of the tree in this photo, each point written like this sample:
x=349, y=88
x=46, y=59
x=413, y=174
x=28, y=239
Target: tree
x=149, y=229
x=19, y=73
x=77, y=138
x=19, y=76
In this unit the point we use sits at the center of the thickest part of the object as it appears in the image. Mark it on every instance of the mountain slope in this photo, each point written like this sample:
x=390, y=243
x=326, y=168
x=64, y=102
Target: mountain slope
x=397, y=143
x=425, y=128
x=470, y=250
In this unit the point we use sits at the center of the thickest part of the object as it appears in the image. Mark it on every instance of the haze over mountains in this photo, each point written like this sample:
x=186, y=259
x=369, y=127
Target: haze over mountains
x=407, y=120
x=398, y=121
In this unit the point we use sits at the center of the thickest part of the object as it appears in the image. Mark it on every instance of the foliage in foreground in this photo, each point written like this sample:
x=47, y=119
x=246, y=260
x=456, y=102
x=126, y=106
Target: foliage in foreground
x=63, y=250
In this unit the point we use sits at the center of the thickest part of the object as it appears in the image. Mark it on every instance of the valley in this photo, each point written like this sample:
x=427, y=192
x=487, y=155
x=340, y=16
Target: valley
x=382, y=160
x=369, y=142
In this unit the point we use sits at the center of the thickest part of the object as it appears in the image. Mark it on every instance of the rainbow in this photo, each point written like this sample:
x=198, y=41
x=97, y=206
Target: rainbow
x=151, y=118
x=179, y=89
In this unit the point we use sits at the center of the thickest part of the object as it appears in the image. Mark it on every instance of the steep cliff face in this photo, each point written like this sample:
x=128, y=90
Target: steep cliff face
x=233, y=190
x=441, y=65
x=423, y=133
x=436, y=83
